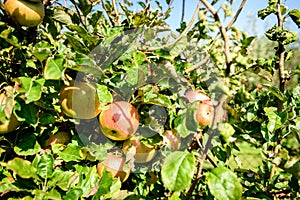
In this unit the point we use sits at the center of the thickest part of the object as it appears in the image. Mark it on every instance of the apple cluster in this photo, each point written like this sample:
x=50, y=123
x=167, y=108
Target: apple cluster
x=27, y=13
x=120, y=121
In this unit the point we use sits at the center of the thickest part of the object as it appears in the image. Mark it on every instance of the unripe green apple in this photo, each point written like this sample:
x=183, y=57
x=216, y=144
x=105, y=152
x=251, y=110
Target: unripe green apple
x=80, y=100
x=10, y=124
x=143, y=153
x=114, y=164
x=24, y=12
x=119, y=121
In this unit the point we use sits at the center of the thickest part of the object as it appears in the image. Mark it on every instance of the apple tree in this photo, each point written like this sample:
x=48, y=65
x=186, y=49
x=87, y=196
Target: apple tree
x=103, y=100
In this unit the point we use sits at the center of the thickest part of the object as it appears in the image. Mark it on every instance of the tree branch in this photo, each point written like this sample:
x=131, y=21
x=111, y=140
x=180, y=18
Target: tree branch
x=223, y=34
x=236, y=15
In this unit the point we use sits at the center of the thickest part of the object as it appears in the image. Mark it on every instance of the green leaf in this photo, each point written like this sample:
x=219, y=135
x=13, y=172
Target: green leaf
x=27, y=145
x=223, y=184
x=54, y=67
x=9, y=37
x=76, y=42
x=42, y=195
x=275, y=91
x=74, y=193
x=62, y=179
x=88, y=178
x=226, y=130
x=71, y=153
x=275, y=119
x=104, y=95
x=31, y=87
x=27, y=112
x=179, y=47
x=60, y=14
x=22, y=168
x=42, y=50
x=45, y=166
x=295, y=15
x=104, y=185
x=178, y=170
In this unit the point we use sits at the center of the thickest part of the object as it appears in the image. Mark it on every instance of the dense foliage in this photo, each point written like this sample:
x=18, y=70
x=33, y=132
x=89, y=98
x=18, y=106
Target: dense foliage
x=249, y=150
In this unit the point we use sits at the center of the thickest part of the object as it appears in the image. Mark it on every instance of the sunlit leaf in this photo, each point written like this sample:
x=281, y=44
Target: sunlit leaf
x=178, y=170
x=22, y=168
x=54, y=67
x=71, y=153
x=45, y=165
x=223, y=184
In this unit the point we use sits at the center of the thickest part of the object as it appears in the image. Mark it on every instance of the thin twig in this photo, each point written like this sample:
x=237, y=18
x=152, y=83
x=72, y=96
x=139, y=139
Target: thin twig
x=199, y=64
x=116, y=11
x=236, y=15
x=281, y=52
x=79, y=14
x=223, y=34
x=183, y=10
x=108, y=14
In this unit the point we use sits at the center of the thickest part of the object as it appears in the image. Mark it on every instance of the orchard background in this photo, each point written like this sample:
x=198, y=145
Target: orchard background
x=250, y=150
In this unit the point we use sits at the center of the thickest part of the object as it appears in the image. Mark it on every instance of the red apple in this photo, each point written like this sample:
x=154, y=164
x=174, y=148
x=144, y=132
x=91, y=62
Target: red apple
x=205, y=113
x=205, y=110
x=114, y=164
x=11, y=123
x=171, y=139
x=80, y=100
x=25, y=13
x=143, y=153
x=196, y=95
x=119, y=121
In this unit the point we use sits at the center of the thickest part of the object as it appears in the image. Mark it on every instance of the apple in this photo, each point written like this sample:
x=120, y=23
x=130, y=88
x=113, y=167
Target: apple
x=114, y=164
x=205, y=110
x=142, y=153
x=80, y=100
x=25, y=13
x=61, y=137
x=205, y=113
x=11, y=123
x=196, y=95
x=171, y=139
x=119, y=121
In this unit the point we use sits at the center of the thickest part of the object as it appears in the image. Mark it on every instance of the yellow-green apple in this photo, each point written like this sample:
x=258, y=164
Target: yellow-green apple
x=171, y=139
x=80, y=100
x=11, y=122
x=61, y=137
x=142, y=153
x=24, y=12
x=119, y=121
x=114, y=163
